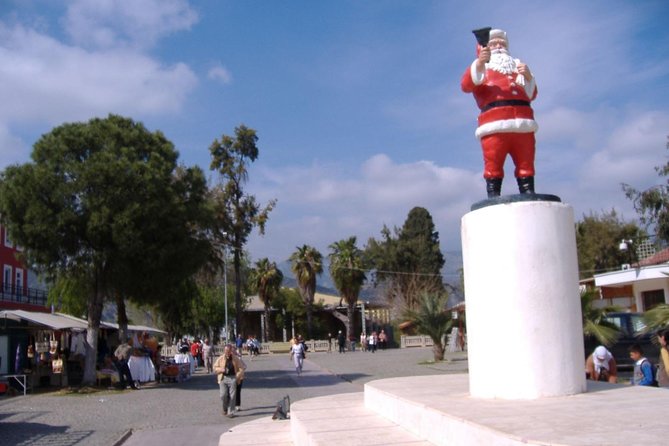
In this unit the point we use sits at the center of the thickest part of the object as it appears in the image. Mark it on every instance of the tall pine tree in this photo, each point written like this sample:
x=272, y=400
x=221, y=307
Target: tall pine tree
x=408, y=263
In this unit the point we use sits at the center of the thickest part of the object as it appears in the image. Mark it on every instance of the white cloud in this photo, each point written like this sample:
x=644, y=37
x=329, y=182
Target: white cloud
x=12, y=149
x=47, y=81
x=114, y=23
x=220, y=74
x=320, y=204
x=633, y=149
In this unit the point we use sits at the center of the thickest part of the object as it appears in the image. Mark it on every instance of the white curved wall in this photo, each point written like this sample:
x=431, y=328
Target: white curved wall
x=524, y=329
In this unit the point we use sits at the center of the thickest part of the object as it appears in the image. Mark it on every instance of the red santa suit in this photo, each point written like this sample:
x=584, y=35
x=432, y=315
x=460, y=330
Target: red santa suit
x=506, y=124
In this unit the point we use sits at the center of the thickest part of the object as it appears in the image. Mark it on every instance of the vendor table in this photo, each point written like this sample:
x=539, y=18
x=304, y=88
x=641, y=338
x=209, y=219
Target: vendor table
x=185, y=358
x=142, y=369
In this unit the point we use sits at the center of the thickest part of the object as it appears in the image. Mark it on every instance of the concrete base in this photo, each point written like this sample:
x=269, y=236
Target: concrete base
x=426, y=410
x=524, y=327
x=440, y=410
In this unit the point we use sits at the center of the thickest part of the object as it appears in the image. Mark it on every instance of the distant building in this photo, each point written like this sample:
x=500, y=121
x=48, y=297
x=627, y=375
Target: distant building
x=16, y=291
x=637, y=286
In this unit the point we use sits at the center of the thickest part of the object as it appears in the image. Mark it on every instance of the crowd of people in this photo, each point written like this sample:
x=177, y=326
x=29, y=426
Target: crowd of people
x=602, y=366
x=368, y=343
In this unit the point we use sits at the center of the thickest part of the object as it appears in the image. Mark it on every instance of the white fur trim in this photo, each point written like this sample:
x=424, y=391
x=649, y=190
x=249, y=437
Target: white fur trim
x=477, y=77
x=517, y=125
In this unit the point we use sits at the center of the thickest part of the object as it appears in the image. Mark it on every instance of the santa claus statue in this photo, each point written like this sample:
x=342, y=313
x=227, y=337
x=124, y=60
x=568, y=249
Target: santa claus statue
x=503, y=88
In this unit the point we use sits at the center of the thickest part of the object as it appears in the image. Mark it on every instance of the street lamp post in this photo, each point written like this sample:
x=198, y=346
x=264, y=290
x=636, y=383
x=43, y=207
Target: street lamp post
x=225, y=288
x=225, y=293
x=626, y=245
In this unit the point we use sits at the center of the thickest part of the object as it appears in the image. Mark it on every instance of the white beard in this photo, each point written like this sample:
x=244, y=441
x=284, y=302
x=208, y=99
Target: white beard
x=501, y=62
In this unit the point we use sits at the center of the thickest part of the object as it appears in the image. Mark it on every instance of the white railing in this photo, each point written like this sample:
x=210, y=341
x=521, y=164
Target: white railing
x=426, y=341
x=415, y=341
x=314, y=345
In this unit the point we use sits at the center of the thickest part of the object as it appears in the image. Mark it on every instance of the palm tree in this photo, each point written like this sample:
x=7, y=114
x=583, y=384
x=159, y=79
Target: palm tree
x=346, y=270
x=267, y=278
x=594, y=324
x=307, y=263
x=657, y=318
x=432, y=319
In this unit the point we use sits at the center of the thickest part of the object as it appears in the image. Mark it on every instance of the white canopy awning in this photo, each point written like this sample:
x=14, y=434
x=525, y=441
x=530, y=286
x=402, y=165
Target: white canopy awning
x=55, y=321
x=61, y=321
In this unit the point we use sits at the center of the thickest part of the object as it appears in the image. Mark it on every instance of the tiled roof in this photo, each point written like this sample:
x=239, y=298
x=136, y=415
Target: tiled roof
x=656, y=259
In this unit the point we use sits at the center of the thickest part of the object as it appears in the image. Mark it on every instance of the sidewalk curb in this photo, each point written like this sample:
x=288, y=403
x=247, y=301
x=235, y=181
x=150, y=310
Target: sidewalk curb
x=123, y=438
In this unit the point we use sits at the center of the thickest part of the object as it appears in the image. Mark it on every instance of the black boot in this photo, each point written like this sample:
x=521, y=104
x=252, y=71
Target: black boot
x=493, y=187
x=526, y=185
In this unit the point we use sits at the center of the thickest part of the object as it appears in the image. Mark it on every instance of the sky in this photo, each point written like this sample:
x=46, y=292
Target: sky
x=357, y=104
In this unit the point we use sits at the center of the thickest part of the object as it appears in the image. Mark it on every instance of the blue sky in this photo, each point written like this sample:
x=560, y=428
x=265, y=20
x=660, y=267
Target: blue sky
x=357, y=104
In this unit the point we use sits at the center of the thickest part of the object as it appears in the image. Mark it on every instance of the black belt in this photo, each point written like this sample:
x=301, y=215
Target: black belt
x=510, y=102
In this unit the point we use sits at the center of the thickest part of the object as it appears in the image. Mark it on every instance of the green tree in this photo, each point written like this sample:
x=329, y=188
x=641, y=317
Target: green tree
x=69, y=295
x=597, y=240
x=432, y=319
x=291, y=309
x=237, y=212
x=208, y=310
x=652, y=204
x=267, y=278
x=347, y=272
x=594, y=324
x=306, y=264
x=657, y=318
x=101, y=204
x=176, y=315
x=408, y=264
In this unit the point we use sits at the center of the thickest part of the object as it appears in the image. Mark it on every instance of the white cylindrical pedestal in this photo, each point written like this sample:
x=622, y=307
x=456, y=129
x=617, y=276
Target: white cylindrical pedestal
x=524, y=328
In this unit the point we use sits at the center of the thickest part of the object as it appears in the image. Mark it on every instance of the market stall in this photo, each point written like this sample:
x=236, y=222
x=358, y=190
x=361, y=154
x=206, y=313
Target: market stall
x=50, y=349
x=42, y=346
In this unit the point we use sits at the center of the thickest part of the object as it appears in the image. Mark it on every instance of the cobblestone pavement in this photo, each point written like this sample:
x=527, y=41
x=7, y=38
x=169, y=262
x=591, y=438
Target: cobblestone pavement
x=190, y=412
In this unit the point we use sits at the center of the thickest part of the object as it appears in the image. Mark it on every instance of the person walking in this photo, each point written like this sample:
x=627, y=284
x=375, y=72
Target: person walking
x=239, y=343
x=341, y=340
x=240, y=380
x=122, y=355
x=363, y=341
x=227, y=366
x=297, y=354
x=195, y=352
x=373, y=341
x=208, y=355
x=383, y=340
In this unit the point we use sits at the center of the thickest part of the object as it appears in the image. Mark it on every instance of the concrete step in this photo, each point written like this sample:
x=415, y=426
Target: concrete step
x=343, y=419
x=340, y=419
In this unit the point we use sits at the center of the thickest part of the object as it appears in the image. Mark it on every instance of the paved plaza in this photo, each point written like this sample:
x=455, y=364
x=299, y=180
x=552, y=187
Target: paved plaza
x=189, y=413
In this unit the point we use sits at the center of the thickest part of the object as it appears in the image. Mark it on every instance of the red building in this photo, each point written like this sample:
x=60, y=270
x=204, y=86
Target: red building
x=14, y=290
